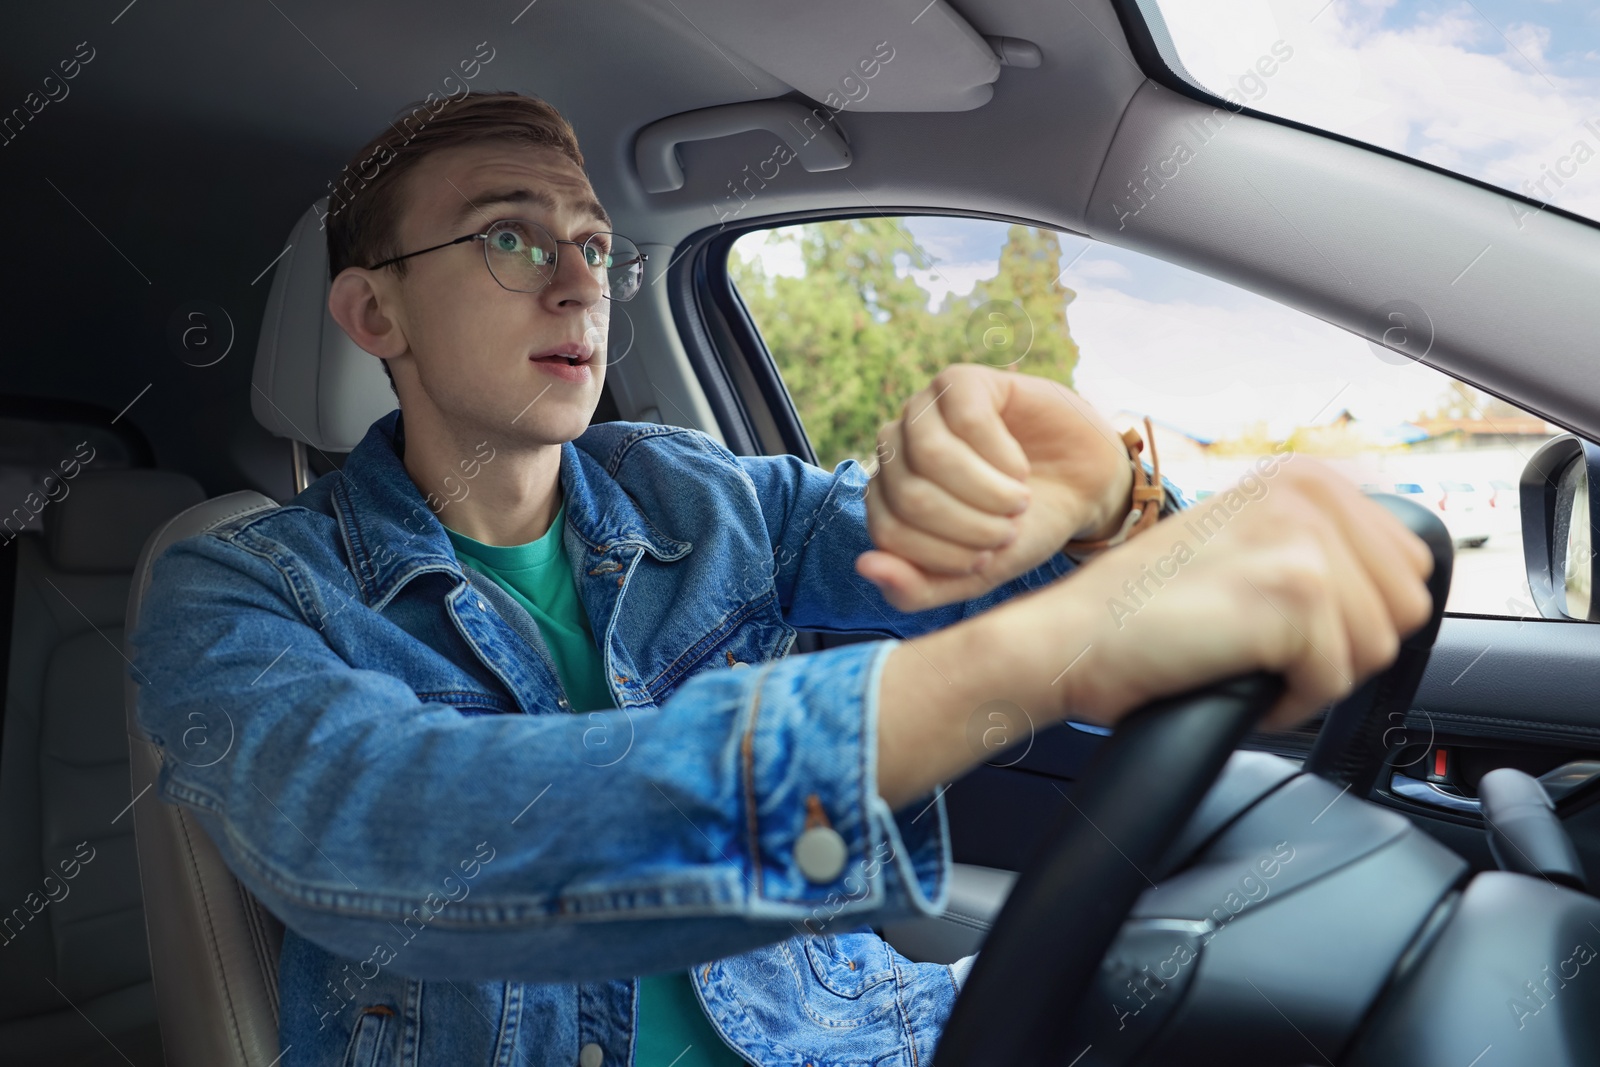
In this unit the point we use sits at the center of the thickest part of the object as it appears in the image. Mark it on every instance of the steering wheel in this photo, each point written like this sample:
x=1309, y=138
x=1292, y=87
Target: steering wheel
x=1069, y=904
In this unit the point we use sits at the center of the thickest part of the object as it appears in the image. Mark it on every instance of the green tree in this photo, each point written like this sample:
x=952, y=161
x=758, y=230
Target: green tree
x=1029, y=278
x=853, y=337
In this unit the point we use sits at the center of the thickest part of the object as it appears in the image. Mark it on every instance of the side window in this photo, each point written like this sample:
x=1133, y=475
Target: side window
x=860, y=313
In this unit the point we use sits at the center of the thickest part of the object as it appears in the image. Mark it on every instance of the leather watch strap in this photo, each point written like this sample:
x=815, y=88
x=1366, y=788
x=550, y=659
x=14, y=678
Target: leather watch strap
x=1148, y=494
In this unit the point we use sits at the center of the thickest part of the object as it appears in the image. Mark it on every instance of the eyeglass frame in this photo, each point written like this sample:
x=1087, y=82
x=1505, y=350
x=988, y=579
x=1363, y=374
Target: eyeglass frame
x=555, y=263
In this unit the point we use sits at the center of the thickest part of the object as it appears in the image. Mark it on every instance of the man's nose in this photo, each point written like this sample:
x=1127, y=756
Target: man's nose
x=574, y=281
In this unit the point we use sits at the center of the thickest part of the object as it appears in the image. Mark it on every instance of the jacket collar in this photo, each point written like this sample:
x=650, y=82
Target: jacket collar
x=391, y=535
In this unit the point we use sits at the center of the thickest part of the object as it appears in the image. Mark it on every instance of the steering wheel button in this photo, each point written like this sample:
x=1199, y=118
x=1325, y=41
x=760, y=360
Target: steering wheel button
x=820, y=853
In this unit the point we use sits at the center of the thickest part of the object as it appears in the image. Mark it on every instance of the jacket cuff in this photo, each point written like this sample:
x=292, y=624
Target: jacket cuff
x=823, y=846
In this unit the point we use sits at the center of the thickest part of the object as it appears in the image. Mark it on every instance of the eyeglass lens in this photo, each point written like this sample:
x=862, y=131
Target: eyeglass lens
x=522, y=257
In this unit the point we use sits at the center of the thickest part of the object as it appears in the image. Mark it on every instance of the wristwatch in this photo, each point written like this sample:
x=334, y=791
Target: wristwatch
x=1149, y=497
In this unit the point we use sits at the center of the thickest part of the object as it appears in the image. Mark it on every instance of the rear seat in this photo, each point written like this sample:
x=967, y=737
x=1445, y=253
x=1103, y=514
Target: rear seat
x=72, y=937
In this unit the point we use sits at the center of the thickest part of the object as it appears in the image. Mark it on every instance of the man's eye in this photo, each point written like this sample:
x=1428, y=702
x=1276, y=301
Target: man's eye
x=508, y=241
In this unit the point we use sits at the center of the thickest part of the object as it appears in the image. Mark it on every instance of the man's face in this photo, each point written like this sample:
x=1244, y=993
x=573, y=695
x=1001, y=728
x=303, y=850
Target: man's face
x=475, y=346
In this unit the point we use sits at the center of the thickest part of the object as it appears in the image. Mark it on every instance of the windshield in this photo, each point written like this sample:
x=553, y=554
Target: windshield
x=1504, y=91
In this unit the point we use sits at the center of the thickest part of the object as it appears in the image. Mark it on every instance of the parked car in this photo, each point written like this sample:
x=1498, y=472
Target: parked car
x=1459, y=504
x=1505, y=506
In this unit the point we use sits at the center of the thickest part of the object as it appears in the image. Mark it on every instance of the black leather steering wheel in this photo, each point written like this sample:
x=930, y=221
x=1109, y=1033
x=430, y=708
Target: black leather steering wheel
x=1068, y=905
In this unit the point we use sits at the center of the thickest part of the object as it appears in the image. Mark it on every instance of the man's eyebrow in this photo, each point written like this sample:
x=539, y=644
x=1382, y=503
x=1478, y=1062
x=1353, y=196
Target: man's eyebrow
x=476, y=207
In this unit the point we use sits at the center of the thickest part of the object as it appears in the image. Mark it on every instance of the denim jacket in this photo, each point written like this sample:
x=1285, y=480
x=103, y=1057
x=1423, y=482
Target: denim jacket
x=471, y=871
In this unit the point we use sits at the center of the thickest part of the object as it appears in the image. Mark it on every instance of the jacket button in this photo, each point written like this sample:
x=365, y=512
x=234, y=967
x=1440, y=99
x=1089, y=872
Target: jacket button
x=590, y=1055
x=820, y=854
x=481, y=605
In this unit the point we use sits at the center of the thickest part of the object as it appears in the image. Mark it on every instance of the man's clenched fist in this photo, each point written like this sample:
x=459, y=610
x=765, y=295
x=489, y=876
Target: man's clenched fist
x=984, y=476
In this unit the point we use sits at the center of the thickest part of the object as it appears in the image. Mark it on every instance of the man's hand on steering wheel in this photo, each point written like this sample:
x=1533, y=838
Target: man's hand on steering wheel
x=1295, y=572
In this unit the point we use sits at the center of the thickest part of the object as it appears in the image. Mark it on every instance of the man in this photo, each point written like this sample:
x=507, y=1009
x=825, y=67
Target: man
x=513, y=721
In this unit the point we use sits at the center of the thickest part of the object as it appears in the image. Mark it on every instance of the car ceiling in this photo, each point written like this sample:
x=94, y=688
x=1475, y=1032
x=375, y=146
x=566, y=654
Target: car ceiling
x=329, y=79
x=199, y=133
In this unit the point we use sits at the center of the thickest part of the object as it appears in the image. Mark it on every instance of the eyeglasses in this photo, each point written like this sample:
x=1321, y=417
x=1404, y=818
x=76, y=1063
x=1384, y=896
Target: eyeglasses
x=521, y=256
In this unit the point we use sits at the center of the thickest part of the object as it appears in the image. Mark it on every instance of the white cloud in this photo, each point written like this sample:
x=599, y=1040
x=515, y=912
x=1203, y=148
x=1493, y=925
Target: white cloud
x=957, y=278
x=1097, y=269
x=778, y=255
x=1218, y=367
x=1451, y=89
x=939, y=245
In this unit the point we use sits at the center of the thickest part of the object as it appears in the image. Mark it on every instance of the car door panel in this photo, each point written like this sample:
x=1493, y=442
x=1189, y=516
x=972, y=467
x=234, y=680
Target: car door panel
x=1497, y=692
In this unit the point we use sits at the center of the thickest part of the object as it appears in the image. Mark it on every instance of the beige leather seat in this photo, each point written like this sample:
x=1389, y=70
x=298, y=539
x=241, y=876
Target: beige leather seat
x=213, y=948
x=74, y=968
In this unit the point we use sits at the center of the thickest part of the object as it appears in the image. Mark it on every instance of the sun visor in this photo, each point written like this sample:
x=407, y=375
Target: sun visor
x=867, y=55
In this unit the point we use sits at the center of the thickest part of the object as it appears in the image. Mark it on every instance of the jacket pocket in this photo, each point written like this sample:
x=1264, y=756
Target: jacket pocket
x=369, y=1043
x=746, y=636
x=848, y=965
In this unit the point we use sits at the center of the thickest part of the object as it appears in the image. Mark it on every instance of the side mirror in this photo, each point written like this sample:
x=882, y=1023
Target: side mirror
x=1558, y=531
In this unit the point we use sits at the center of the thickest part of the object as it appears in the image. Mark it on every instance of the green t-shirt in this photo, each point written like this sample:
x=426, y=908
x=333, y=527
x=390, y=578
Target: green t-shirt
x=539, y=577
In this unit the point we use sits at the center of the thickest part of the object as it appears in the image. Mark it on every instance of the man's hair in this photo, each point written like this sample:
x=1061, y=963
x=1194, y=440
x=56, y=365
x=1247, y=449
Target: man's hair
x=365, y=201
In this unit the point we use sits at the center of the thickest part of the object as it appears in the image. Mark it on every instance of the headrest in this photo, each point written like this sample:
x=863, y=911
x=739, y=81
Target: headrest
x=106, y=516
x=312, y=383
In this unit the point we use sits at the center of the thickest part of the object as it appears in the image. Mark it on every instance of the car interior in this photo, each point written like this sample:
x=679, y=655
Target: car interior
x=195, y=374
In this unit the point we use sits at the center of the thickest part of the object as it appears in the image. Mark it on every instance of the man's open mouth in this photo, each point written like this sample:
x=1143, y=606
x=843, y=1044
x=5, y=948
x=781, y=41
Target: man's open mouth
x=569, y=354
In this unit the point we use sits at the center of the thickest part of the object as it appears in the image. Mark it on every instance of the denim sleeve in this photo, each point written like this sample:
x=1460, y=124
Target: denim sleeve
x=817, y=522
x=358, y=813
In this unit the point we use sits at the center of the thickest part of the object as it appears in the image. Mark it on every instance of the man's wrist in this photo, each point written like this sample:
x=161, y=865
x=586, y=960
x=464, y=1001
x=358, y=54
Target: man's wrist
x=1120, y=491
x=1143, y=506
x=1120, y=482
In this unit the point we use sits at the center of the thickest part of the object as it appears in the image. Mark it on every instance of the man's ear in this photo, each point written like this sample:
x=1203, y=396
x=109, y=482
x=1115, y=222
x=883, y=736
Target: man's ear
x=354, y=303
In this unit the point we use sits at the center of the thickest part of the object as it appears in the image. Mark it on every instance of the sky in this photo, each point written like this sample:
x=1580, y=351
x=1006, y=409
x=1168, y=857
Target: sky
x=1498, y=90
